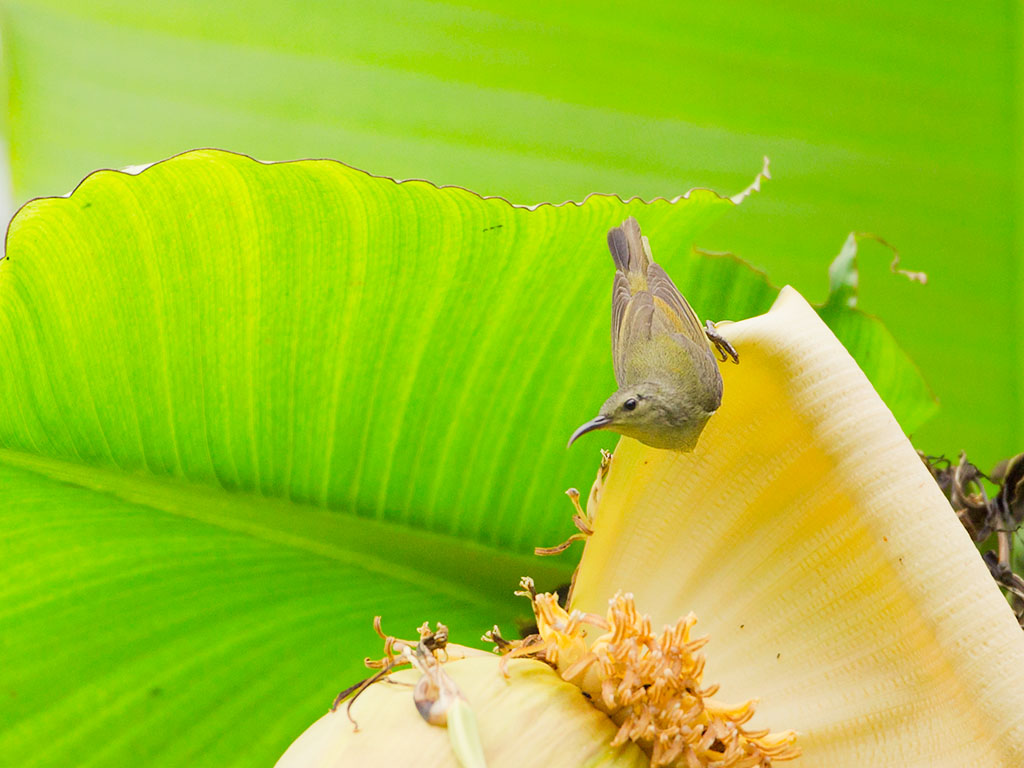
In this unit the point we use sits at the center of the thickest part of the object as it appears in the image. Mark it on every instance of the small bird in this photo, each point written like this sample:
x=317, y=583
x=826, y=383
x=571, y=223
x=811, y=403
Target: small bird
x=669, y=383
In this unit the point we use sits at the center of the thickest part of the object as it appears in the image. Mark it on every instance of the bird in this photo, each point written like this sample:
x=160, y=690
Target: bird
x=668, y=380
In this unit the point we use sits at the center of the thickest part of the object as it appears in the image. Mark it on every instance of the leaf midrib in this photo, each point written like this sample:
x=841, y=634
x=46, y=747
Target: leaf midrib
x=469, y=571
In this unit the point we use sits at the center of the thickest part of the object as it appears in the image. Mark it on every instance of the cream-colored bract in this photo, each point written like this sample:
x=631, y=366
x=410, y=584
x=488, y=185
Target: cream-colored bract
x=531, y=718
x=835, y=583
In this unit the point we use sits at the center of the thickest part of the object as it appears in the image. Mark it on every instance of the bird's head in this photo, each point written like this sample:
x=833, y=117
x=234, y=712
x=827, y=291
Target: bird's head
x=652, y=414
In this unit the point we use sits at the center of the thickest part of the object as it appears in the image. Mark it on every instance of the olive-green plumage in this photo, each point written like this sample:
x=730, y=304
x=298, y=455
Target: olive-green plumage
x=668, y=378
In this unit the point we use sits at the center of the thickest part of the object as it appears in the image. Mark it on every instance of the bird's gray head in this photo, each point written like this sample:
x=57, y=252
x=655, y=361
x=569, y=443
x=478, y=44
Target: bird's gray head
x=652, y=414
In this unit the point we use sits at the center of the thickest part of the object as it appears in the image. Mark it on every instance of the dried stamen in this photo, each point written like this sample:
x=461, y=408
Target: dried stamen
x=435, y=691
x=579, y=519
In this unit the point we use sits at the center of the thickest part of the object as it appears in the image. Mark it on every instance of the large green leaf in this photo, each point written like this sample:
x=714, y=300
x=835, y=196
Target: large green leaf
x=248, y=406
x=878, y=116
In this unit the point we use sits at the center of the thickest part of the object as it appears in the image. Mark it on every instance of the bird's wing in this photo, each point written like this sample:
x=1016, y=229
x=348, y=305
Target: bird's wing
x=645, y=301
x=621, y=303
x=676, y=308
x=635, y=322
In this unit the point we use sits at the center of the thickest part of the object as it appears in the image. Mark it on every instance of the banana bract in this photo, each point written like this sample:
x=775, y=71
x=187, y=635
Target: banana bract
x=530, y=718
x=835, y=585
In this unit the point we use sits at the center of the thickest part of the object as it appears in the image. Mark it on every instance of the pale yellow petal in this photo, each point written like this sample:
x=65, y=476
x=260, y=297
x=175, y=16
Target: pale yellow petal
x=834, y=580
x=533, y=718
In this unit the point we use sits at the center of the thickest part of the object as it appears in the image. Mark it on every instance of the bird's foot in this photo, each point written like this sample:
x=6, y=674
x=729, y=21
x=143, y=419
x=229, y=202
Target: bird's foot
x=722, y=347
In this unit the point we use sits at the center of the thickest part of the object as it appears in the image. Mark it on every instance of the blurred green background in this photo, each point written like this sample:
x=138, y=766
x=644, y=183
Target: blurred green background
x=899, y=118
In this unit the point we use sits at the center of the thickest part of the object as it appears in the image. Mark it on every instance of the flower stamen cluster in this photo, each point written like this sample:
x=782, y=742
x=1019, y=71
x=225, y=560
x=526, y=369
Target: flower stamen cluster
x=651, y=685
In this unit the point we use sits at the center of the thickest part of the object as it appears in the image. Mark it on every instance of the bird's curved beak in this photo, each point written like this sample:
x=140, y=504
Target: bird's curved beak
x=598, y=422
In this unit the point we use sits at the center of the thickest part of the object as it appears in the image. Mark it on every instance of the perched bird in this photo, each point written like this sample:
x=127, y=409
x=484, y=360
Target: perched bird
x=669, y=383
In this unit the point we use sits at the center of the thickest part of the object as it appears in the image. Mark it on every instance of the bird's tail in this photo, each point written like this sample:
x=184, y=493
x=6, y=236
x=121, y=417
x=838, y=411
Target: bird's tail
x=629, y=248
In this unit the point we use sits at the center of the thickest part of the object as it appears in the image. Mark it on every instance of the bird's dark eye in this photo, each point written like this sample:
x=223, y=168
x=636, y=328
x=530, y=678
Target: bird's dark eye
x=630, y=404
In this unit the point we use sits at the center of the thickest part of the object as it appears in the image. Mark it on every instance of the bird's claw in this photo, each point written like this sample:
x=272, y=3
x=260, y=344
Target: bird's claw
x=722, y=347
